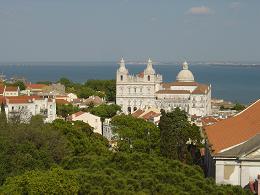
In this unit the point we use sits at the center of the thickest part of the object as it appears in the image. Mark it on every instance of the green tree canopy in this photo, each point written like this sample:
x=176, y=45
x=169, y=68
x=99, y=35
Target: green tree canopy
x=176, y=131
x=105, y=110
x=136, y=134
x=65, y=110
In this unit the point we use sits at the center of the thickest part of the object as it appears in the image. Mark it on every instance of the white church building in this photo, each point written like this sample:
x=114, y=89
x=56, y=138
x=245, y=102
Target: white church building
x=147, y=90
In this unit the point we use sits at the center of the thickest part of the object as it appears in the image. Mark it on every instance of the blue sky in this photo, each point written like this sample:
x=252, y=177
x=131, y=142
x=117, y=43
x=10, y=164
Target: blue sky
x=104, y=30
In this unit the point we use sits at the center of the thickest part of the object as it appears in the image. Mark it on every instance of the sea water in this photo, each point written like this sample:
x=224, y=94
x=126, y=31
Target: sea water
x=235, y=83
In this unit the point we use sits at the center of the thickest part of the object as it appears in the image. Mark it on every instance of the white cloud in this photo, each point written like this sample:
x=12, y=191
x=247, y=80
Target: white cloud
x=201, y=10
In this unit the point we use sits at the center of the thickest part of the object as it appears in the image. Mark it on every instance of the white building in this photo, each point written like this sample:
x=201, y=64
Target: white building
x=9, y=90
x=147, y=90
x=233, y=148
x=22, y=108
x=93, y=120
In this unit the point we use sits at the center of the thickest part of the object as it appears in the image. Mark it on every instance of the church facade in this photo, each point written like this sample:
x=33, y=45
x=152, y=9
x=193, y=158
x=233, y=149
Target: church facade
x=147, y=89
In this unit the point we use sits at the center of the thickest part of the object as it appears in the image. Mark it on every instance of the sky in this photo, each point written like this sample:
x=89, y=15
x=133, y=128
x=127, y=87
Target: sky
x=105, y=30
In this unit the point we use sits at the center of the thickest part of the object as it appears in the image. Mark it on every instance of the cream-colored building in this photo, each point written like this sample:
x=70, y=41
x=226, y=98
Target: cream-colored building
x=146, y=90
x=86, y=117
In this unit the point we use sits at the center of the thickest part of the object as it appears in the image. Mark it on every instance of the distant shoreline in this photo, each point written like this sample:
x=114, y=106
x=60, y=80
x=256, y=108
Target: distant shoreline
x=254, y=65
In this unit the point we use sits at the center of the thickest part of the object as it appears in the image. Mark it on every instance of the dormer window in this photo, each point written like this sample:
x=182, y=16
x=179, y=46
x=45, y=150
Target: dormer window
x=149, y=78
x=121, y=77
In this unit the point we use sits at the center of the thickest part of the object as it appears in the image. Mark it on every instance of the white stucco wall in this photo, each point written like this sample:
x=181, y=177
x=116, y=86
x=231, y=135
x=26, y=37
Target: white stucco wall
x=241, y=173
x=92, y=120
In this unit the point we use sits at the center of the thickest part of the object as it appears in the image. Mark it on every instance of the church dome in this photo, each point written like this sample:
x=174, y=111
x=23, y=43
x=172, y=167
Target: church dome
x=185, y=75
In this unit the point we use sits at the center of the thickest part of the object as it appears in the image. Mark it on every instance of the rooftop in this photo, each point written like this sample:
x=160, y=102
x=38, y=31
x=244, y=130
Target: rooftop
x=235, y=130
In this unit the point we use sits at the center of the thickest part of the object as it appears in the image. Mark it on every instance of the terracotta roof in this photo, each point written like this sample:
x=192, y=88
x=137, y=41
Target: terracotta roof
x=36, y=86
x=201, y=89
x=78, y=113
x=11, y=88
x=235, y=130
x=25, y=97
x=137, y=113
x=22, y=99
x=245, y=148
x=168, y=91
x=141, y=75
x=62, y=101
x=18, y=101
x=94, y=99
x=209, y=120
x=150, y=114
x=2, y=88
x=2, y=99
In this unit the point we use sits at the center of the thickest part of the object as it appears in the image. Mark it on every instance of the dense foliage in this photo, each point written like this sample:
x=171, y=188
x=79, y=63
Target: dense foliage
x=101, y=88
x=68, y=158
x=176, y=131
x=239, y=107
x=136, y=135
x=18, y=83
x=65, y=110
x=105, y=110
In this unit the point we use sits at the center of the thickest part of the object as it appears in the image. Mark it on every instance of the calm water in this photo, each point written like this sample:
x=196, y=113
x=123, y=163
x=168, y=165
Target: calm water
x=240, y=84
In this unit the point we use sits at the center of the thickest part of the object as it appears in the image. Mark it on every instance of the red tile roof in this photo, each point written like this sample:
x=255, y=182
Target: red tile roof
x=209, y=120
x=36, y=86
x=2, y=88
x=137, y=113
x=78, y=113
x=150, y=115
x=2, y=99
x=96, y=100
x=11, y=88
x=201, y=89
x=22, y=99
x=235, y=130
x=18, y=101
x=62, y=101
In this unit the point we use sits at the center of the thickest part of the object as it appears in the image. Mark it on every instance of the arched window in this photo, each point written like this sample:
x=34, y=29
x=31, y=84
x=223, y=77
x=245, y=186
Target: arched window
x=148, y=78
x=135, y=108
x=135, y=89
x=121, y=77
x=129, y=110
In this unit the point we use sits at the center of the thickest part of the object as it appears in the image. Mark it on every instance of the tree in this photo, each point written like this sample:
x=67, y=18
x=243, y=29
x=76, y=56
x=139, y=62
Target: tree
x=105, y=110
x=20, y=84
x=44, y=82
x=136, y=134
x=3, y=119
x=55, y=181
x=238, y=107
x=106, y=86
x=65, y=110
x=66, y=82
x=176, y=131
